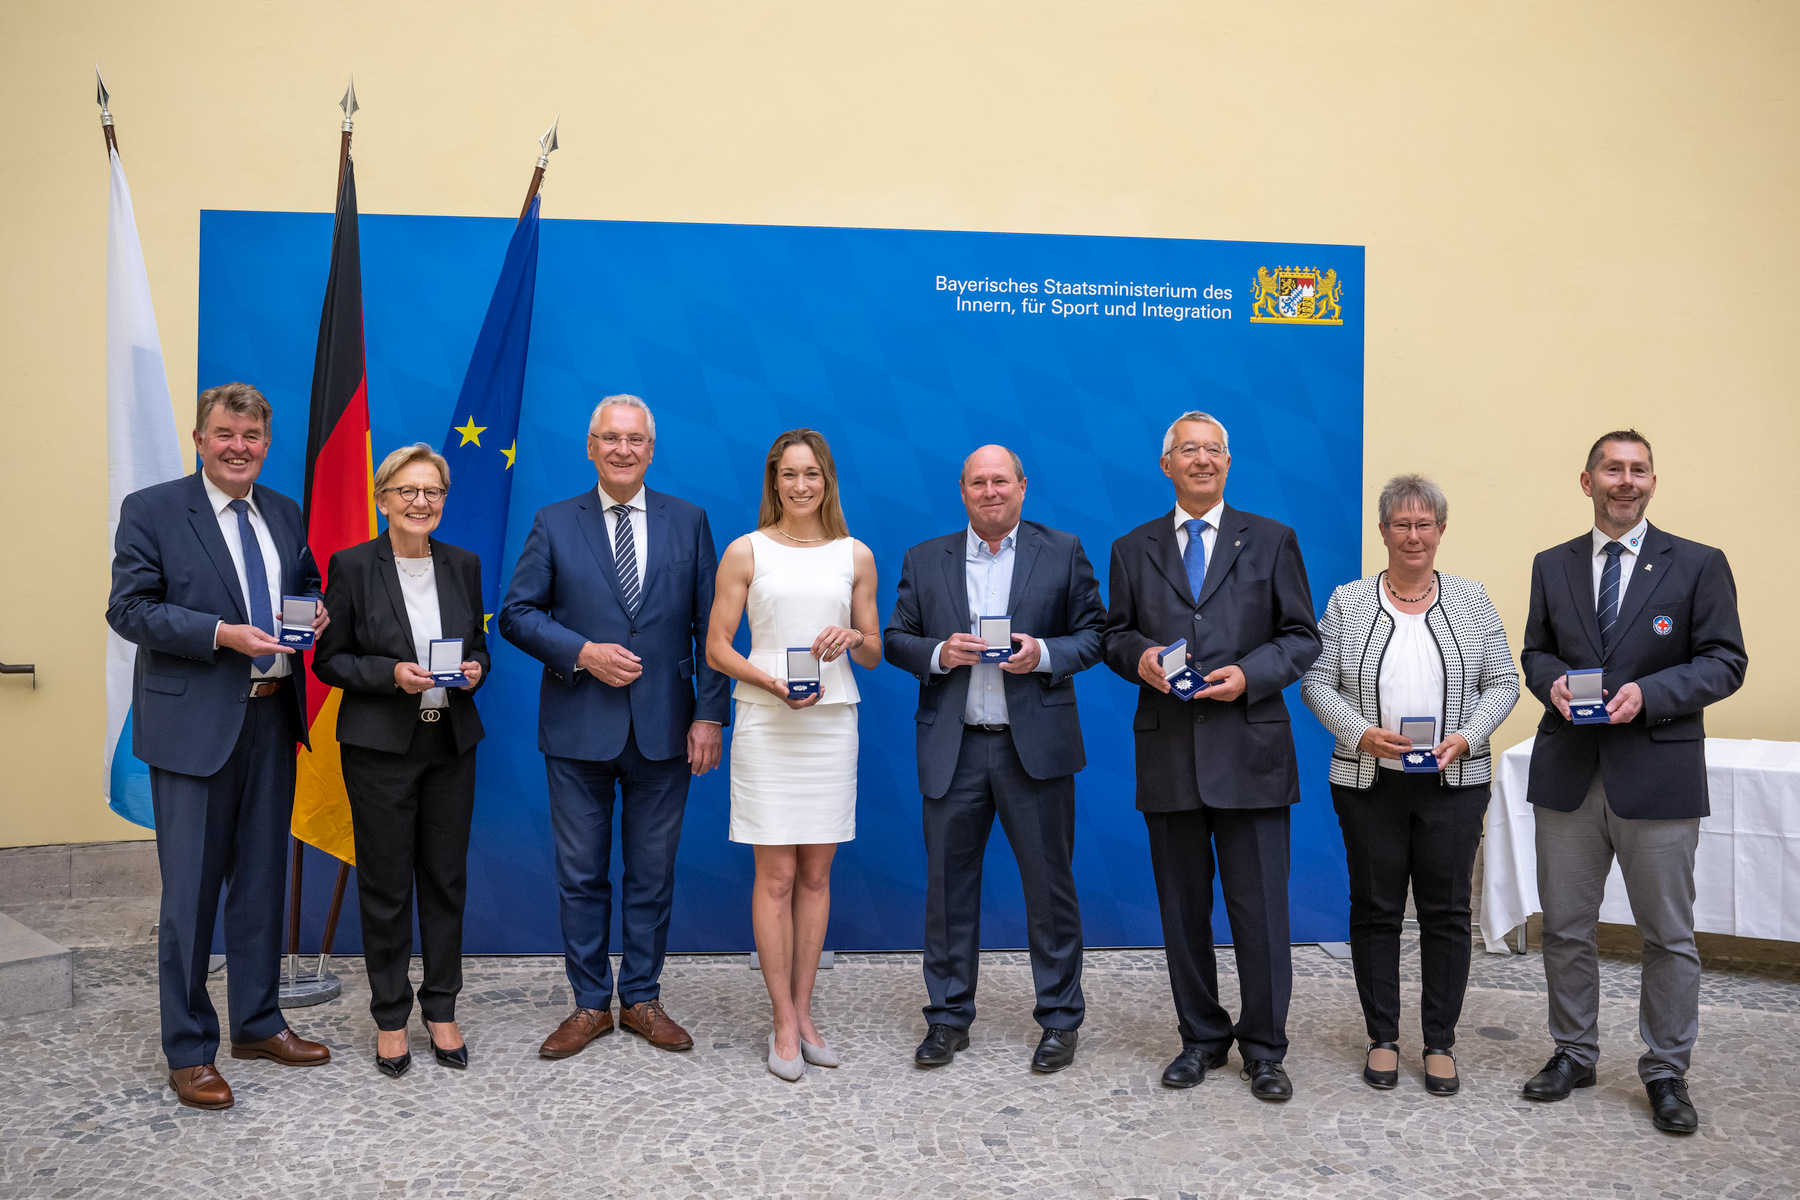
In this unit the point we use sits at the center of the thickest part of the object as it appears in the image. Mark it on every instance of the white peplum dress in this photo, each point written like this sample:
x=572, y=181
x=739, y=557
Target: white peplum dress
x=793, y=773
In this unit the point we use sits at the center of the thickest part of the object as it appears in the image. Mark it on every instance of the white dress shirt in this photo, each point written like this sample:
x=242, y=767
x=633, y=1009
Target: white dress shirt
x=418, y=584
x=1633, y=543
x=640, y=540
x=987, y=577
x=228, y=525
x=1209, y=537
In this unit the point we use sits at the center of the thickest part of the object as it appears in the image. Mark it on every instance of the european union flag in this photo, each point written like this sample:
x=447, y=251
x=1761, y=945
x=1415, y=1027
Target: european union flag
x=484, y=429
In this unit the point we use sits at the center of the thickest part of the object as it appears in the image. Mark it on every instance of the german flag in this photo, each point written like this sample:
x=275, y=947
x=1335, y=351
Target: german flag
x=340, y=511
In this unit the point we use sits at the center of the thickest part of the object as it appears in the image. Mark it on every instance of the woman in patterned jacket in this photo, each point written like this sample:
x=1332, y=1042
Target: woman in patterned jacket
x=1415, y=647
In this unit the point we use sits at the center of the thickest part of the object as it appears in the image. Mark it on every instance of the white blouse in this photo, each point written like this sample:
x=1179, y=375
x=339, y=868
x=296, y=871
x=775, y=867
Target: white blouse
x=1412, y=674
x=420, y=590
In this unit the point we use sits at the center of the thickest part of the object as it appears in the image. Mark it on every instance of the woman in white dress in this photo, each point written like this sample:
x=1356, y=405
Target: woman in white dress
x=806, y=583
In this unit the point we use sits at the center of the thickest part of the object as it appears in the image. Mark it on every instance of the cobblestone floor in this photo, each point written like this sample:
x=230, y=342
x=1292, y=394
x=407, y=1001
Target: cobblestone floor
x=85, y=1111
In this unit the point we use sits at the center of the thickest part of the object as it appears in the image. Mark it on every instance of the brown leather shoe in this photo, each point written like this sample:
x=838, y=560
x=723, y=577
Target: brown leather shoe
x=201, y=1087
x=286, y=1048
x=650, y=1022
x=577, y=1030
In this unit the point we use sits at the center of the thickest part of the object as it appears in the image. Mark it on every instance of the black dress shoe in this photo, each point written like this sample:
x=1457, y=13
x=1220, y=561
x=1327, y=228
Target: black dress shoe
x=1442, y=1085
x=1670, y=1109
x=1268, y=1081
x=1190, y=1067
x=1559, y=1076
x=940, y=1045
x=458, y=1058
x=394, y=1068
x=1381, y=1079
x=1056, y=1050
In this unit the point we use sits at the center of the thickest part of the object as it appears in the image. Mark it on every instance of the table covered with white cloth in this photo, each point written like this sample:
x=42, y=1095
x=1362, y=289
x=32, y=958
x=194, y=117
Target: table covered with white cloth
x=1746, y=870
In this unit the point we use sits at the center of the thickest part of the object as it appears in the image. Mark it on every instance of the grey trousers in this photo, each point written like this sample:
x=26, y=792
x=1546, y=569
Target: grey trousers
x=1574, y=854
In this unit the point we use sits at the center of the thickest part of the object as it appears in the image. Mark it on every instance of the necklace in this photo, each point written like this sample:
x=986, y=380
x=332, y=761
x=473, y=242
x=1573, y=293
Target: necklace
x=421, y=573
x=790, y=537
x=1389, y=580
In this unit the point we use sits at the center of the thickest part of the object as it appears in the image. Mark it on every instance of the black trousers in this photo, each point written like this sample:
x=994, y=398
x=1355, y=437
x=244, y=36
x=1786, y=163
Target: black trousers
x=410, y=813
x=1409, y=828
x=228, y=829
x=1038, y=816
x=1252, y=865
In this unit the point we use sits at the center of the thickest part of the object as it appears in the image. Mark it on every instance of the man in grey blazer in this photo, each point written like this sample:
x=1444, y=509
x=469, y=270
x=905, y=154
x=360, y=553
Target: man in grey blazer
x=998, y=739
x=1658, y=615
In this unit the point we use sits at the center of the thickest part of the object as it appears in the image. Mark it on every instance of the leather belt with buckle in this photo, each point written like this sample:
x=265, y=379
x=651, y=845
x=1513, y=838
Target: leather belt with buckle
x=266, y=687
x=431, y=714
x=992, y=728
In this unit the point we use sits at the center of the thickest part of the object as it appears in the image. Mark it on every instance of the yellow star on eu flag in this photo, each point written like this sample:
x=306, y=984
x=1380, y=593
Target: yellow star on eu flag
x=485, y=618
x=511, y=452
x=470, y=432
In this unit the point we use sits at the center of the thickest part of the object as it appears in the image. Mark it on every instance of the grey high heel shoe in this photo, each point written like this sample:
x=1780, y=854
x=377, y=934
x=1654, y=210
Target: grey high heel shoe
x=790, y=1069
x=822, y=1055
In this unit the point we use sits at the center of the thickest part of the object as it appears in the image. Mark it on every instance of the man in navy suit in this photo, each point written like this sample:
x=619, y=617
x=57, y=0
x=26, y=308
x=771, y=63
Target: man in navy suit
x=612, y=593
x=1216, y=772
x=1658, y=615
x=200, y=565
x=998, y=738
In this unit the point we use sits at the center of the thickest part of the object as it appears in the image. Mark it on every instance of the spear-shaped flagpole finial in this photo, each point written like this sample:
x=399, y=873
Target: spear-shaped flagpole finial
x=546, y=145
x=101, y=97
x=349, y=105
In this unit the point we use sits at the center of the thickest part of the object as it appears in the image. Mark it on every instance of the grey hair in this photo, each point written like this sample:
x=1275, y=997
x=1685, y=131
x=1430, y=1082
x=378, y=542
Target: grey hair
x=1169, y=437
x=1404, y=490
x=1018, y=467
x=629, y=401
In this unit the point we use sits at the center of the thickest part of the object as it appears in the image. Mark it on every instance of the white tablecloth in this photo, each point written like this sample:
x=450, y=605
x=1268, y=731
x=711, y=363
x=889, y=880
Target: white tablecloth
x=1746, y=871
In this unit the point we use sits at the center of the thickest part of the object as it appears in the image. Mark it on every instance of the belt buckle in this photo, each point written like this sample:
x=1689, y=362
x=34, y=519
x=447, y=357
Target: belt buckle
x=431, y=715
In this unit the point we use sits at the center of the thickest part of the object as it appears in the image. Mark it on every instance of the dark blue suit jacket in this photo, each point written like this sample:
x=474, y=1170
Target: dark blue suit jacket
x=1679, y=640
x=1254, y=611
x=1054, y=598
x=173, y=582
x=565, y=593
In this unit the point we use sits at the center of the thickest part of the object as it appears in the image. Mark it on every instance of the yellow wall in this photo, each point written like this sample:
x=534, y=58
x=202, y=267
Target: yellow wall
x=1577, y=217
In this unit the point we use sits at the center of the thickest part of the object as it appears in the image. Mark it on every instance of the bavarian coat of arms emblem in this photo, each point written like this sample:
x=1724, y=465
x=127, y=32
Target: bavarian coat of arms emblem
x=1297, y=296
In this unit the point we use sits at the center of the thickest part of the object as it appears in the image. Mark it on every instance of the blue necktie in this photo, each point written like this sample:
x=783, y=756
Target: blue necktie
x=1194, y=557
x=257, y=577
x=625, y=557
x=1608, y=607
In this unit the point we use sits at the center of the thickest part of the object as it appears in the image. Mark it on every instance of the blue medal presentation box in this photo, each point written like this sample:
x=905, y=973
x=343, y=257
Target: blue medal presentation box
x=907, y=349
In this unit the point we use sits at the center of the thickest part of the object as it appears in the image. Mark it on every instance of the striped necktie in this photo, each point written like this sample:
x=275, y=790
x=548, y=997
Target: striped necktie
x=1607, y=608
x=625, y=557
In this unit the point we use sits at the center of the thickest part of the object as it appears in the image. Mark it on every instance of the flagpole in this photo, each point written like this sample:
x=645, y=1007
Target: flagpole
x=106, y=122
x=349, y=105
x=546, y=145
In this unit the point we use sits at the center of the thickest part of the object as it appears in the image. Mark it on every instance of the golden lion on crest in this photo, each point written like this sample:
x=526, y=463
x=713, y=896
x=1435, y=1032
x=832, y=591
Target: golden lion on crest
x=1298, y=294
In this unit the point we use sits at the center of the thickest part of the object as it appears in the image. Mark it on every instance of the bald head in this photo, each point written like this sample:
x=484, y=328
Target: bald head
x=993, y=490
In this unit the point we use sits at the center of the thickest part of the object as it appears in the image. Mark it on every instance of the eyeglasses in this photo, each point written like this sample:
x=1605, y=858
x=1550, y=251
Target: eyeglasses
x=409, y=494
x=1188, y=451
x=636, y=441
x=1408, y=528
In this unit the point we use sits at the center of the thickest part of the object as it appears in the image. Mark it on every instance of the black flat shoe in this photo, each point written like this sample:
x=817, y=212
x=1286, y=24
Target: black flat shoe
x=1670, y=1109
x=1056, y=1050
x=1190, y=1067
x=1559, y=1076
x=458, y=1058
x=1268, y=1079
x=394, y=1068
x=1381, y=1079
x=940, y=1045
x=1441, y=1085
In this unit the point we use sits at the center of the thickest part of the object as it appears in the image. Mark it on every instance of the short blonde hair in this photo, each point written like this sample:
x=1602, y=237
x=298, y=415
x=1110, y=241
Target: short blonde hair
x=831, y=512
x=417, y=452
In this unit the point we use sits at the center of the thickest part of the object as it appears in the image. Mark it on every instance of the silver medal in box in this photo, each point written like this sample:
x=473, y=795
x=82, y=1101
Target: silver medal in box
x=997, y=633
x=1422, y=733
x=444, y=659
x=1587, y=696
x=802, y=672
x=1184, y=681
x=297, y=614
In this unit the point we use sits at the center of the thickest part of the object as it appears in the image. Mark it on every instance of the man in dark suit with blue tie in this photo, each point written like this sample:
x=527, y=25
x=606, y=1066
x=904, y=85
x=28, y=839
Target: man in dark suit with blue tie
x=998, y=738
x=612, y=593
x=199, y=568
x=1216, y=773
x=1658, y=616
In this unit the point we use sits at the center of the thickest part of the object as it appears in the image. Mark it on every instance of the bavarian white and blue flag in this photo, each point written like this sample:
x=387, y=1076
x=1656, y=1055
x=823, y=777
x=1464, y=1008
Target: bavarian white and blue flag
x=142, y=448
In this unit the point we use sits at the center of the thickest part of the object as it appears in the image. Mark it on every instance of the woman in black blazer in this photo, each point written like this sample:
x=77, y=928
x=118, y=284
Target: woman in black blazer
x=408, y=746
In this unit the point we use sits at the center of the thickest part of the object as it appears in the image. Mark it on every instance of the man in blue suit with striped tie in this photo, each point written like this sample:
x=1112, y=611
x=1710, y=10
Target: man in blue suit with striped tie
x=1658, y=616
x=612, y=593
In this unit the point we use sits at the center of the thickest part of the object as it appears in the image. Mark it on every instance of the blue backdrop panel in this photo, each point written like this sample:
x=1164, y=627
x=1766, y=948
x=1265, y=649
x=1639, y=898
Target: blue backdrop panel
x=734, y=333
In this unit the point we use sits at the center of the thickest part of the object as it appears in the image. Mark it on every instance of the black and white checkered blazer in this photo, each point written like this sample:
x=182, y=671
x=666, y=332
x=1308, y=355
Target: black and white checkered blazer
x=1481, y=684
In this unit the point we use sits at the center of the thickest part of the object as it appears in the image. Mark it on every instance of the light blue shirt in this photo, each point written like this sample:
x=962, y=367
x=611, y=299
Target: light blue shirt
x=988, y=578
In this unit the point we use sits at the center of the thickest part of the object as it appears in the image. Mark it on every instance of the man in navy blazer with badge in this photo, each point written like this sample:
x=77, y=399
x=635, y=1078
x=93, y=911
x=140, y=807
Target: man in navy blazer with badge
x=612, y=593
x=200, y=565
x=1658, y=615
x=998, y=738
x=1216, y=773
